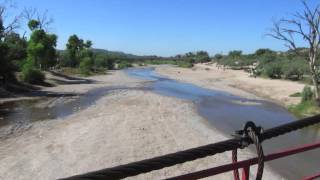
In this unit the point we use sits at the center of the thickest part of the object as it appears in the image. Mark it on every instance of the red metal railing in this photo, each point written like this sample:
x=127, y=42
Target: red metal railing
x=251, y=134
x=245, y=165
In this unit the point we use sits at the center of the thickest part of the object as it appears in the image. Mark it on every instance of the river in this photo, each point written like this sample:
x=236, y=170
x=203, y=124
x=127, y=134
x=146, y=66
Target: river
x=223, y=111
x=229, y=113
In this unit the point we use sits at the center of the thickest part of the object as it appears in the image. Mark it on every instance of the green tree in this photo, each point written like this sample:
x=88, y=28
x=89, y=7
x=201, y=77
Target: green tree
x=261, y=52
x=17, y=46
x=41, y=47
x=88, y=44
x=33, y=24
x=12, y=47
x=77, y=49
x=6, y=66
x=1, y=28
x=235, y=54
x=218, y=56
x=202, y=56
x=73, y=49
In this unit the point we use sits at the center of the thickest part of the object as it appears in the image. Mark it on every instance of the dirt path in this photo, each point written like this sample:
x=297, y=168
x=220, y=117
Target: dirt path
x=124, y=126
x=236, y=82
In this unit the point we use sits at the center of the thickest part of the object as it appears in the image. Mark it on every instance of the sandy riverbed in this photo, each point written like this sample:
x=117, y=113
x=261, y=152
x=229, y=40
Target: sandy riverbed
x=235, y=82
x=124, y=126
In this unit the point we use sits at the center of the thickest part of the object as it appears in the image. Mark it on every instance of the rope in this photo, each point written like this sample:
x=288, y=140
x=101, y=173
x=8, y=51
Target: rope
x=168, y=160
x=234, y=160
x=254, y=132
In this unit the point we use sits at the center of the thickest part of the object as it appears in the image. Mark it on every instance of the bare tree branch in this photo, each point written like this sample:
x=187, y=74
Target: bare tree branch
x=43, y=18
x=13, y=23
x=282, y=34
x=305, y=25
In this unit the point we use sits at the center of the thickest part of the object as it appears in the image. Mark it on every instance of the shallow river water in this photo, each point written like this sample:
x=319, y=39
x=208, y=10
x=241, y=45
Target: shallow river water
x=229, y=113
x=224, y=111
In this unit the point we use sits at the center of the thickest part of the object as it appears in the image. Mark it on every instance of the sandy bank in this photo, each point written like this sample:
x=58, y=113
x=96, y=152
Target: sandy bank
x=124, y=126
x=101, y=136
x=235, y=82
x=75, y=85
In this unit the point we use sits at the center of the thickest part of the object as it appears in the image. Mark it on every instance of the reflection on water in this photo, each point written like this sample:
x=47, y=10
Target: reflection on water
x=229, y=113
x=19, y=113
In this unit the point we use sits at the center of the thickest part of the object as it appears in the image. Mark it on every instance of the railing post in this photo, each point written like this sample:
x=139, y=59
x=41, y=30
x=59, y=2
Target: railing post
x=246, y=173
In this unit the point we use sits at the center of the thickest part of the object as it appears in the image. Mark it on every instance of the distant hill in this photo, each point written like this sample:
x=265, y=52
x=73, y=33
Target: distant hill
x=119, y=54
x=115, y=53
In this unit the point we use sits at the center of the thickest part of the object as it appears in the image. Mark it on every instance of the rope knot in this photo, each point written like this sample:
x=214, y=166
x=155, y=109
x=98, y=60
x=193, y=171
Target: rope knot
x=250, y=134
x=249, y=129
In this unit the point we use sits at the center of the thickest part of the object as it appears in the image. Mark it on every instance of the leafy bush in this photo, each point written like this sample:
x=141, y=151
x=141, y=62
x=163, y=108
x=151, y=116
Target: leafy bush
x=160, y=61
x=307, y=107
x=307, y=94
x=185, y=64
x=262, y=52
x=32, y=75
x=273, y=70
x=124, y=65
x=110, y=63
x=297, y=94
x=86, y=65
x=293, y=72
x=100, y=62
x=294, y=69
x=304, y=109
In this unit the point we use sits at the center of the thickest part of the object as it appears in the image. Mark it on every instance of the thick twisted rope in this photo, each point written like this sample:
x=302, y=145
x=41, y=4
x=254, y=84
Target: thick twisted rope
x=254, y=135
x=157, y=163
x=250, y=130
x=234, y=160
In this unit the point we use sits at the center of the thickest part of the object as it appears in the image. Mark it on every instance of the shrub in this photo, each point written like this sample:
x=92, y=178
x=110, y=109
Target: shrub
x=185, y=64
x=294, y=69
x=304, y=109
x=273, y=70
x=297, y=94
x=86, y=65
x=110, y=64
x=32, y=75
x=307, y=94
x=293, y=72
x=100, y=62
x=124, y=65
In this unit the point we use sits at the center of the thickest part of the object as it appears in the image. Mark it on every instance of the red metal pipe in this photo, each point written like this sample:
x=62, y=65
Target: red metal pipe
x=246, y=173
x=245, y=163
x=312, y=177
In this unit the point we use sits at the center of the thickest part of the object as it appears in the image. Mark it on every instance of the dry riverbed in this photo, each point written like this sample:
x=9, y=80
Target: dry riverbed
x=121, y=127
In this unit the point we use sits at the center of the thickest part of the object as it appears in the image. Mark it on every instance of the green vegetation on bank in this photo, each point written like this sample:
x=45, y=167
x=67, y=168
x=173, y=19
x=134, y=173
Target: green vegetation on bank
x=185, y=60
x=267, y=63
x=288, y=65
x=308, y=106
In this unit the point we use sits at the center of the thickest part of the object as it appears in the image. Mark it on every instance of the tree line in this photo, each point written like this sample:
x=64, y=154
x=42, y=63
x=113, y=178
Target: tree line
x=267, y=63
x=29, y=56
x=25, y=58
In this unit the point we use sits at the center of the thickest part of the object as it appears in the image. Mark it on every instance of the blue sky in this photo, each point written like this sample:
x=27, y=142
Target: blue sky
x=167, y=27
